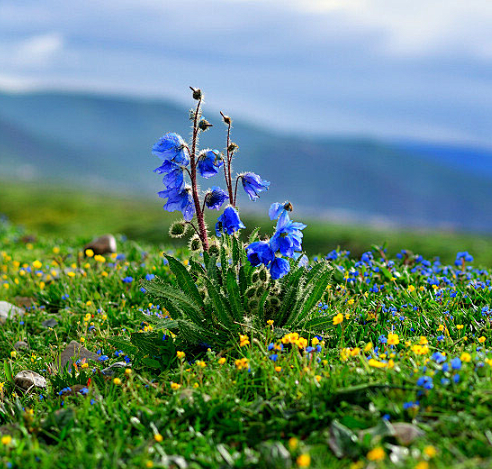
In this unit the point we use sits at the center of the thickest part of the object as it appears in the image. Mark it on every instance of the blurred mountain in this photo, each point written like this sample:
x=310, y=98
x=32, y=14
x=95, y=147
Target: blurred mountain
x=95, y=142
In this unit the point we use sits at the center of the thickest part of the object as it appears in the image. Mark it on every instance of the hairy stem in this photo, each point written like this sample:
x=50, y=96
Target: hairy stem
x=235, y=190
x=202, y=229
x=229, y=160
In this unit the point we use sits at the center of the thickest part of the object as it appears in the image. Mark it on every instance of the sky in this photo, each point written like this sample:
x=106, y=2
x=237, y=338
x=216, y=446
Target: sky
x=391, y=69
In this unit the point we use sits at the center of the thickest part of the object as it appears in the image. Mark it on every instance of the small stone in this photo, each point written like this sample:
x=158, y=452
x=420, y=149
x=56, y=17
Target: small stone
x=8, y=310
x=74, y=352
x=103, y=245
x=27, y=379
x=109, y=371
x=406, y=433
x=49, y=323
x=20, y=345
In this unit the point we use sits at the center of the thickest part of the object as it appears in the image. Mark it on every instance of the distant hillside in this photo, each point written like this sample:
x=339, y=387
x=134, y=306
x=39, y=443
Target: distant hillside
x=100, y=141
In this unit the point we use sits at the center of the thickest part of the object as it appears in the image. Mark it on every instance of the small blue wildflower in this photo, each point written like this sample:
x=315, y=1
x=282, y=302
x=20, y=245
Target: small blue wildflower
x=456, y=378
x=209, y=162
x=215, y=198
x=456, y=363
x=229, y=222
x=260, y=252
x=128, y=280
x=149, y=277
x=279, y=267
x=252, y=184
x=273, y=357
x=171, y=148
x=103, y=358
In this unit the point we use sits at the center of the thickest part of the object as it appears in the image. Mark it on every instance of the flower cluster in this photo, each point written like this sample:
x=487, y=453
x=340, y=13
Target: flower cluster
x=182, y=161
x=286, y=241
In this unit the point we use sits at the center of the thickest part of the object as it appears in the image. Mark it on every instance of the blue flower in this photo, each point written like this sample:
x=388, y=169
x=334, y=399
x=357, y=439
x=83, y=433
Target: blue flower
x=288, y=235
x=209, y=162
x=276, y=209
x=181, y=201
x=174, y=180
x=172, y=148
x=425, y=382
x=215, y=198
x=456, y=363
x=279, y=267
x=149, y=277
x=332, y=256
x=438, y=357
x=260, y=252
x=229, y=222
x=252, y=184
x=128, y=280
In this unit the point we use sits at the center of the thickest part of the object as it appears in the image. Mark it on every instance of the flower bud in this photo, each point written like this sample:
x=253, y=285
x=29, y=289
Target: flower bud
x=288, y=206
x=232, y=147
x=204, y=124
x=195, y=244
x=227, y=120
x=178, y=229
x=264, y=277
x=214, y=249
x=197, y=93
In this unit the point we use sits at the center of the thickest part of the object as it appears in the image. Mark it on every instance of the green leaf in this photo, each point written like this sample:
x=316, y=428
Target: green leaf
x=253, y=235
x=185, y=280
x=320, y=283
x=235, y=251
x=151, y=362
x=177, y=302
x=123, y=344
x=220, y=305
x=289, y=298
x=234, y=297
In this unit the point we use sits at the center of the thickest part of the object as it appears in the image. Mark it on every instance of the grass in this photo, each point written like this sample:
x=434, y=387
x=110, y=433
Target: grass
x=408, y=343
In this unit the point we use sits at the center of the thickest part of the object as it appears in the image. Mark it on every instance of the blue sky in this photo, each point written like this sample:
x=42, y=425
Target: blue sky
x=419, y=69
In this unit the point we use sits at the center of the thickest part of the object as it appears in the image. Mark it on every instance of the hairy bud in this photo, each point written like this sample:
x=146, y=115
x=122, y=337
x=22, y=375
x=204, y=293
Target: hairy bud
x=253, y=304
x=232, y=147
x=214, y=249
x=250, y=292
x=227, y=120
x=195, y=244
x=264, y=274
x=197, y=93
x=178, y=229
x=204, y=124
x=288, y=206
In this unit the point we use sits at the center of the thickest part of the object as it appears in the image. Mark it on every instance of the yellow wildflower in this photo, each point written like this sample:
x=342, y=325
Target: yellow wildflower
x=304, y=460
x=430, y=451
x=393, y=339
x=338, y=319
x=243, y=340
x=376, y=454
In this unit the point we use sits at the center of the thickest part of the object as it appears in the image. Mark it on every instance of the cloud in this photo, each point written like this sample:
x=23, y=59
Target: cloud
x=402, y=68
x=38, y=50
